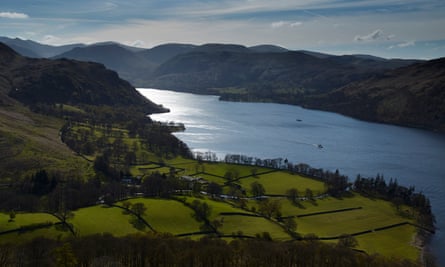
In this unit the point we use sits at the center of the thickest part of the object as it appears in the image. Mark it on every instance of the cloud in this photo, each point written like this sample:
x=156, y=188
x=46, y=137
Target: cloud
x=296, y=24
x=280, y=24
x=137, y=43
x=369, y=37
x=406, y=44
x=13, y=15
x=389, y=37
x=403, y=45
x=51, y=39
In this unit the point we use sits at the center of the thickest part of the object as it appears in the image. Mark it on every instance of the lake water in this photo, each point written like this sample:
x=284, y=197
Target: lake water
x=414, y=157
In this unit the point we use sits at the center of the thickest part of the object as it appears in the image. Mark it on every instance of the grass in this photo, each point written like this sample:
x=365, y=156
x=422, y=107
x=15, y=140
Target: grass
x=217, y=207
x=23, y=219
x=37, y=146
x=102, y=219
x=373, y=214
x=395, y=242
x=251, y=226
x=277, y=183
x=168, y=216
x=54, y=232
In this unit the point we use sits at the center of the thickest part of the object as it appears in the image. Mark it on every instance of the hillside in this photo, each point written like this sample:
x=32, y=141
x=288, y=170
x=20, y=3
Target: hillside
x=412, y=96
x=29, y=140
x=161, y=53
x=262, y=71
x=129, y=64
x=227, y=66
x=34, y=81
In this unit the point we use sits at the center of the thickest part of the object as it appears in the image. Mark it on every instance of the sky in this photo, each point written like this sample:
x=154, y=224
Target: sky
x=385, y=28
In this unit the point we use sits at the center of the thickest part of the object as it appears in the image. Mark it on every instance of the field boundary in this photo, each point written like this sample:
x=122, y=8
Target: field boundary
x=322, y=212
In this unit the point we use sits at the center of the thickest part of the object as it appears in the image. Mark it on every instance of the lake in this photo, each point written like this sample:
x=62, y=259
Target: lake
x=415, y=157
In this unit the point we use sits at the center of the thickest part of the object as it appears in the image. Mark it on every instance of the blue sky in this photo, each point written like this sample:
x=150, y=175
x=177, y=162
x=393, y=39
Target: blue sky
x=390, y=28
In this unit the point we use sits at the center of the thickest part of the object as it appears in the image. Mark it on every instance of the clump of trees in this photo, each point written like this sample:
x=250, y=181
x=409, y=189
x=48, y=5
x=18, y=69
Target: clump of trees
x=165, y=250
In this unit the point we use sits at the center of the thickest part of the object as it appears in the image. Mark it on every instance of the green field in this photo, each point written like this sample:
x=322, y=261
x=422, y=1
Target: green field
x=103, y=219
x=395, y=242
x=250, y=226
x=26, y=219
x=277, y=183
x=168, y=216
x=23, y=219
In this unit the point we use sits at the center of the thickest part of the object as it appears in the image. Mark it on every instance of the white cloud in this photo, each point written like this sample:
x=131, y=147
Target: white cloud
x=278, y=24
x=13, y=15
x=292, y=24
x=369, y=37
x=402, y=45
x=296, y=24
x=51, y=40
x=137, y=43
x=406, y=44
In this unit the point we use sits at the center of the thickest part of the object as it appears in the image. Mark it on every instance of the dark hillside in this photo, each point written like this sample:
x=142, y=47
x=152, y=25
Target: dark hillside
x=200, y=71
x=412, y=96
x=64, y=81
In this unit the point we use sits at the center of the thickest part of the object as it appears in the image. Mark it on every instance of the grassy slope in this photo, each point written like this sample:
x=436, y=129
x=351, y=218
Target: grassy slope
x=169, y=216
x=101, y=219
x=31, y=142
x=24, y=219
x=277, y=183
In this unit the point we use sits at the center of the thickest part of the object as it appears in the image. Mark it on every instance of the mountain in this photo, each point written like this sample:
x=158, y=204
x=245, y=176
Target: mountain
x=32, y=81
x=268, y=49
x=221, y=66
x=161, y=53
x=33, y=49
x=127, y=47
x=268, y=73
x=411, y=96
x=128, y=64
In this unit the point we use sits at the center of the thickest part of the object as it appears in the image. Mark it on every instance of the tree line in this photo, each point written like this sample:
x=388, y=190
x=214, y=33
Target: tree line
x=165, y=250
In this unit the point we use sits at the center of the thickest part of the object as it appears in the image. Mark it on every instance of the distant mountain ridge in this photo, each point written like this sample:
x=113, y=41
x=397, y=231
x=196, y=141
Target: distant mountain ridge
x=33, y=49
x=362, y=86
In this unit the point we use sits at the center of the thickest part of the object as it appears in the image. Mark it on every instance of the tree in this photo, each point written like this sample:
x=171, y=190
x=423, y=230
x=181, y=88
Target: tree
x=270, y=208
x=65, y=256
x=257, y=189
x=202, y=210
x=290, y=224
x=214, y=189
x=292, y=195
x=11, y=216
x=309, y=194
x=138, y=209
x=348, y=241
